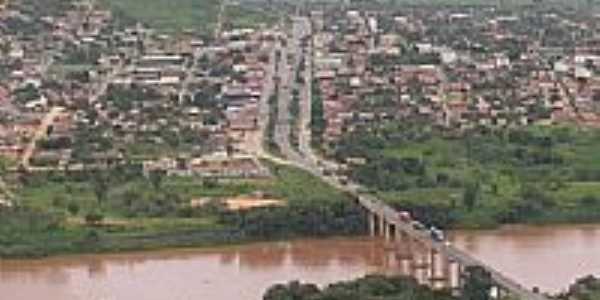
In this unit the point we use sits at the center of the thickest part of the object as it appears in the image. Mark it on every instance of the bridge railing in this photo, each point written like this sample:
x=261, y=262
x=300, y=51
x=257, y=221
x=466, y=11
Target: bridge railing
x=377, y=207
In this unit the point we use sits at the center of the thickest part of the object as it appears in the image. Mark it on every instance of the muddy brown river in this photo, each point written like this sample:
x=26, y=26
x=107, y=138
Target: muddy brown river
x=549, y=257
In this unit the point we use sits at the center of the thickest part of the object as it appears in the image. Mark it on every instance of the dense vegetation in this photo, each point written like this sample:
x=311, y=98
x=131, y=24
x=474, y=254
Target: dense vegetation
x=318, y=122
x=270, y=142
x=377, y=287
x=122, y=209
x=587, y=288
x=483, y=177
x=367, y=288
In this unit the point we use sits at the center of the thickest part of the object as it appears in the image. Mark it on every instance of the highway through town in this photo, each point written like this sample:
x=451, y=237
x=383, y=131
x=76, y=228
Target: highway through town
x=309, y=161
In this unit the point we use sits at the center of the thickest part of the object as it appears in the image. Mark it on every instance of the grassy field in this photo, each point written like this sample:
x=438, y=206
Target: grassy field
x=143, y=213
x=486, y=2
x=177, y=15
x=242, y=16
x=169, y=15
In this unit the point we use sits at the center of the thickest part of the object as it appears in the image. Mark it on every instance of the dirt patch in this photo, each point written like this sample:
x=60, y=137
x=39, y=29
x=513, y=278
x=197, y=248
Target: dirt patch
x=240, y=203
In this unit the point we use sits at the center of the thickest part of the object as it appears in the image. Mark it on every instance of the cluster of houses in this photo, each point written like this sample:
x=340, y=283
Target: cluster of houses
x=458, y=68
x=129, y=92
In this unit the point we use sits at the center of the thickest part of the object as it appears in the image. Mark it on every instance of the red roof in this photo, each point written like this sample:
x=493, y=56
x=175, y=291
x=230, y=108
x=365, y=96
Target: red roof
x=3, y=94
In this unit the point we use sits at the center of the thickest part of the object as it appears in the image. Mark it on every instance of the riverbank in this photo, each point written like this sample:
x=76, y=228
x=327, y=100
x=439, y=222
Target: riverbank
x=369, y=287
x=400, y=287
x=120, y=210
x=522, y=252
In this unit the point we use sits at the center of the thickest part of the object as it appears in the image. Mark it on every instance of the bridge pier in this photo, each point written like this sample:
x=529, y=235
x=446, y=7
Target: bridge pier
x=372, y=219
x=425, y=260
x=456, y=277
x=432, y=267
x=387, y=231
x=447, y=273
x=496, y=293
x=499, y=292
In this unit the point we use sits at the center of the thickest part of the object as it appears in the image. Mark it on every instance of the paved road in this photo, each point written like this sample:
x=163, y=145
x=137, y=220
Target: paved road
x=287, y=76
x=310, y=162
x=263, y=105
x=220, y=19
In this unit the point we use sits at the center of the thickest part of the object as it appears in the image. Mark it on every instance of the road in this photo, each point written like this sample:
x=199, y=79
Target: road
x=305, y=133
x=310, y=162
x=257, y=145
x=40, y=133
x=287, y=76
x=220, y=19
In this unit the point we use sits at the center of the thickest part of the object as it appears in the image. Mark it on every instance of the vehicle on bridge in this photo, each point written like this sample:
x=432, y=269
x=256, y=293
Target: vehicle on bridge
x=416, y=225
x=405, y=216
x=437, y=234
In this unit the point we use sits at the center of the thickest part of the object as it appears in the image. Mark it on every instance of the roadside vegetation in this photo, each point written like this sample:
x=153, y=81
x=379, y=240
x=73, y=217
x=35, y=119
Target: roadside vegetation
x=318, y=122
x=121, y=209
x=295, y=118
x=480, y=178
x=270, y=142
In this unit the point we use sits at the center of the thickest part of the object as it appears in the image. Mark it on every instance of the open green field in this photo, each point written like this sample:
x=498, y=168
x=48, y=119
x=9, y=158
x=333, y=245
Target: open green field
x=238, y=16
x=486, y=2
x=120, y=209
x=177, y=15
x=169, y=15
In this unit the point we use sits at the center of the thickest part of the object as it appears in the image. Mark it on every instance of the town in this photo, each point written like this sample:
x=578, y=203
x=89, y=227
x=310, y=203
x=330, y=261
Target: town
x=278, y=120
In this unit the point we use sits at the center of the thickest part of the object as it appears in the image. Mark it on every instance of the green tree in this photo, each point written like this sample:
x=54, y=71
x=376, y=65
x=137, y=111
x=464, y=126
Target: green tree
x=94, y=218
x=292, y=291
x=100, y=185
x=156, y=178
x=478, y=284
x=73, y=208
x=471, y=195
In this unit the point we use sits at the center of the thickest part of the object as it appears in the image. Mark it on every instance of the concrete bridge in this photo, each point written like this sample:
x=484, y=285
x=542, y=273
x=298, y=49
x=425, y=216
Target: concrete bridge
x=440, y=264
x=437, y=263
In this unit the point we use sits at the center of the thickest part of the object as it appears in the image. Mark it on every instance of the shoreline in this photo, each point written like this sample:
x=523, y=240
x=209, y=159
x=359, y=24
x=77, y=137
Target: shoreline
x=153, y=242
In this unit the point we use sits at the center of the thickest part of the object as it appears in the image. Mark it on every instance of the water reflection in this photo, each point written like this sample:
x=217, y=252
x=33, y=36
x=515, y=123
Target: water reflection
x=549, y=257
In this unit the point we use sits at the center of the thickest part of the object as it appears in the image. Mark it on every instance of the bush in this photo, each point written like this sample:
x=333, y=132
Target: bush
x=94, y=218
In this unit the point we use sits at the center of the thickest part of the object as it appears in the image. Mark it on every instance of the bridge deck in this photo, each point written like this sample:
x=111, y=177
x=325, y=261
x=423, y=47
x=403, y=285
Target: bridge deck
x=390, y=215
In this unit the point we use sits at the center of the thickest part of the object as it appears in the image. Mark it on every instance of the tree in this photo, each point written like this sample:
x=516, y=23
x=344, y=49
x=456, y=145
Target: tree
x=73, y=208
x=471, y=195
x=292, y=291
x=100, y=185
x=94, y=218
x=478, y=284
x=156, y=178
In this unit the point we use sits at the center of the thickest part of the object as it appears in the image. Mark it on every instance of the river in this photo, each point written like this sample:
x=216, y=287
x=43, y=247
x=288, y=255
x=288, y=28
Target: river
x=550, y=257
